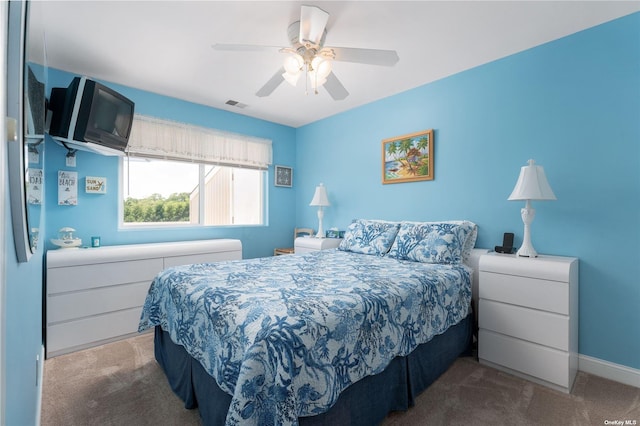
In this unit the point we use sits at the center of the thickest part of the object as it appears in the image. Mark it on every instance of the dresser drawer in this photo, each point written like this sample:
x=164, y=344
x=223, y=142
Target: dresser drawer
x=535, y=326
x=552, y=296
x=84, y=277
x=70, y=306
x=68, y=336
x=306, y=244
x=302, y=250
x=552, y=268
x=538, y=361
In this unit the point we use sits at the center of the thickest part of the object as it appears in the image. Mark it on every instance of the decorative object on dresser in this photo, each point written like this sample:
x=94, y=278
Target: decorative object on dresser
x=528, y=317
x=408, y=158
x=321, y=200
x=66, y=239
x=305, y=245
x=531, y=185
x=297, y=232
x=334, y=233
x=94, y=296
x=507, y=244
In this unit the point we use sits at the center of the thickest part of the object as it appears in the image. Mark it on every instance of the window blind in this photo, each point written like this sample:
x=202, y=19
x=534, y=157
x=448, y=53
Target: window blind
x=170, y=140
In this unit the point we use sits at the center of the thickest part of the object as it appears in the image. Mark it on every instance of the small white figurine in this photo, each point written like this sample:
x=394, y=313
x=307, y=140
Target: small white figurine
x=66, y=239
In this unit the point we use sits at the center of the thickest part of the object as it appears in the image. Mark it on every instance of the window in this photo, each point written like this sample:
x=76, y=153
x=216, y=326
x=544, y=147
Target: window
x=177, y=173
x=162, y=192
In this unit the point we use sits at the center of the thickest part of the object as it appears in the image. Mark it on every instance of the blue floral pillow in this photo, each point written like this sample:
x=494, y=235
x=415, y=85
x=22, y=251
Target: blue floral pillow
x=434, y=242
x=369, y=237
x=471, y=241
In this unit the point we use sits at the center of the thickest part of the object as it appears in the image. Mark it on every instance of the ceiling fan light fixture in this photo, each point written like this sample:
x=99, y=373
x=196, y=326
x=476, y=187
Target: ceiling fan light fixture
x=316, y=82
x=293, y=63
x=321, y=67
x=308, y=55
x=292, y=79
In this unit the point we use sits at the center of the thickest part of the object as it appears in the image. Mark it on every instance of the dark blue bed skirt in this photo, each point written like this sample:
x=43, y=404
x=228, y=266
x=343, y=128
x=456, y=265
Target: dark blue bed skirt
x=365, y=403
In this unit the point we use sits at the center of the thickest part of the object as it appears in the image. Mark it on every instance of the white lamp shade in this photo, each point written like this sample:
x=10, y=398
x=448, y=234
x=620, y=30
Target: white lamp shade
x=532, y=184
x=293, y=63
x=320, y=197
x=315, y=82
x=292, y=79
x=321, y=66
x=293, y=68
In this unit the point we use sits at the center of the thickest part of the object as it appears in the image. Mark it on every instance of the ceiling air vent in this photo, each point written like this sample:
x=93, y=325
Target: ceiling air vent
x=236, y=104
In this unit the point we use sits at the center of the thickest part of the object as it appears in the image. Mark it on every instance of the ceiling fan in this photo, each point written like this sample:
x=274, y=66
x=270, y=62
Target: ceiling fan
x=309, y=56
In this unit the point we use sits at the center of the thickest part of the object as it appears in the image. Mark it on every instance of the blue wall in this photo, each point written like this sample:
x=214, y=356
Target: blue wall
x=23, y=320
x=573, y=105
x=23, y=316
x=98, y=214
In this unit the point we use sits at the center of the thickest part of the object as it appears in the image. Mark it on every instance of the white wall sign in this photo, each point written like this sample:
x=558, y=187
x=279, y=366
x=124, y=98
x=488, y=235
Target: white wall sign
x=34, y=186
x=95, y=185
x=67, y=188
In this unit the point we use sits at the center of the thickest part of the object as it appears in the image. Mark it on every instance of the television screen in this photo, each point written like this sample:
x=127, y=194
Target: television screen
x=105, y=113
x=110, y=117
x=92, y=113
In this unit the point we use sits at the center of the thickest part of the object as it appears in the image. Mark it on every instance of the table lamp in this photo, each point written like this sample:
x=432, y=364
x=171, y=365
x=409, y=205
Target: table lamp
x=531, y=185
x=321, y=200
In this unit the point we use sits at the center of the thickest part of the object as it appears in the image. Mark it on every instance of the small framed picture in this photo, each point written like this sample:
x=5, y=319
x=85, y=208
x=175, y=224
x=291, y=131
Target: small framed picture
x=284, y=176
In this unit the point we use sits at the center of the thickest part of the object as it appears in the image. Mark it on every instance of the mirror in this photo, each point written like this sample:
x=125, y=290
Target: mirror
x=26, y=104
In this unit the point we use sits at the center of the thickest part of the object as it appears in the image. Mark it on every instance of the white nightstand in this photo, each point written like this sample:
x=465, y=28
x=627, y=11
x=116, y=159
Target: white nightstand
x=528, y=317
x=307, y=244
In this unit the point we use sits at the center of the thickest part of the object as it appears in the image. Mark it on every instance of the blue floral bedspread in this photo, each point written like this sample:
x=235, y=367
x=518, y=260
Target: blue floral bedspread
x=285, y=335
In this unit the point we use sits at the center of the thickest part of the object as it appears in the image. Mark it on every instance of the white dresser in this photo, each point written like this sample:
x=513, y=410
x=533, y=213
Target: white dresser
x=528, y=317
x=95, y=295
x=307, y=244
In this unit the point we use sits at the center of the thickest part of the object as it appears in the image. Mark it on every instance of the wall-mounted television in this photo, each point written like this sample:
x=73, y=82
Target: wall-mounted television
x=90, y=116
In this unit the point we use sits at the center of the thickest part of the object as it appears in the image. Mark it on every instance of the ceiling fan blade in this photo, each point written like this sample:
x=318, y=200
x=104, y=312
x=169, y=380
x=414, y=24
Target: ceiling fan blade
x=272, y=84
x=243, y=47
x=335, y=88
x=313, y=21
x=364, y=56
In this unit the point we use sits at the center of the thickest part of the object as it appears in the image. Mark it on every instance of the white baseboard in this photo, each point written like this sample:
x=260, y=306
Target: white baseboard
x=39, y=378
x=608, y=370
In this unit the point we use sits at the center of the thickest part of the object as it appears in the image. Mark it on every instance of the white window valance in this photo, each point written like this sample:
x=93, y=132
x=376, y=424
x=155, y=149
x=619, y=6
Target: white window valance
x=171, y=140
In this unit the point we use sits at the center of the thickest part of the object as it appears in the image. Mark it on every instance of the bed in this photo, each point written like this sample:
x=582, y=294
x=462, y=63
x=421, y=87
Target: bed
x=340, y=336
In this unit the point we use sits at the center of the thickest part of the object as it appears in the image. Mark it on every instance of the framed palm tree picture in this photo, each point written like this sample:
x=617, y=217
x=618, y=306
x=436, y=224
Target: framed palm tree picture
x=408, y=158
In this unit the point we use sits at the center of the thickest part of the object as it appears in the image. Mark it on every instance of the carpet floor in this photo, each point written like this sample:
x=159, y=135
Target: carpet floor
x=121, y=384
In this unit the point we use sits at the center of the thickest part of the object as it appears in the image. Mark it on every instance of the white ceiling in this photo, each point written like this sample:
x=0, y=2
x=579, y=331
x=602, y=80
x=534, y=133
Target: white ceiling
x=165, y=47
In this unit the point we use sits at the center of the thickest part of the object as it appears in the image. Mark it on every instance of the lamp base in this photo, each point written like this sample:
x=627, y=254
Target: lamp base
x=528, y=213
x=527, y=252
x=320, y=233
